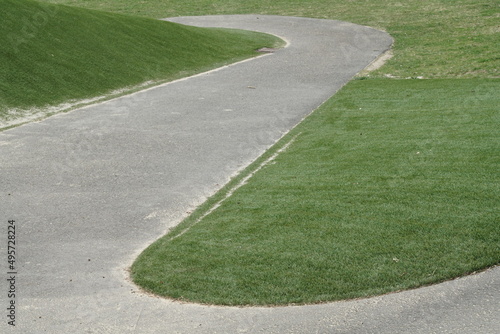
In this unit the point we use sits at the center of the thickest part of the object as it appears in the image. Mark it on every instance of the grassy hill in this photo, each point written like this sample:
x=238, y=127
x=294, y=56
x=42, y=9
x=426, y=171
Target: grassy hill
x=434, y=38
x=51, y=54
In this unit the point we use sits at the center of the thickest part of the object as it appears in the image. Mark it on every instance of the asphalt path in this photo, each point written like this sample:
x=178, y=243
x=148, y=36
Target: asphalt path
x=90, y=189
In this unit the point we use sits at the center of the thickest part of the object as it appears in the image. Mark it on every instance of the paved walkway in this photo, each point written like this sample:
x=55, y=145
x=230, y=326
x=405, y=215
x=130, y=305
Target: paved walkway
x=90, y=189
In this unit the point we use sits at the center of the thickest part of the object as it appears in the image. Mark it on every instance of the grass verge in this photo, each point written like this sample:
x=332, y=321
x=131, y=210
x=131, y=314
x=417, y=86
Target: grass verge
x=52, y=54
x=386, y=190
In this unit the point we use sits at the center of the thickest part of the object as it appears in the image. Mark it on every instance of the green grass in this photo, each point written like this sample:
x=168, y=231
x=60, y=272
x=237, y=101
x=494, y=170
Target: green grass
x=51, y=54
x=390, y=189
x=390, y=185
x=434, y=38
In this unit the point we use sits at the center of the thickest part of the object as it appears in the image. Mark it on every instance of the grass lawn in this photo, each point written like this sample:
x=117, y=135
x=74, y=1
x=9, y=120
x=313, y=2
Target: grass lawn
x=390, y=189
x=391, y=184
x=51, y=54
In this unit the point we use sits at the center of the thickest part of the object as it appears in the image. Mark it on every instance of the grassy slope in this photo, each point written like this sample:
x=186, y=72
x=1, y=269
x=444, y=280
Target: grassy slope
x=51, y=54
x=398, y=189
x=434, y=38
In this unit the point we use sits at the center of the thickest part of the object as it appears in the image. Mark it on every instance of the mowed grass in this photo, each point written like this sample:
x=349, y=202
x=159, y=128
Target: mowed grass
x=391, y=184
x=390, y=189
x=434, y=38
x=50, y=54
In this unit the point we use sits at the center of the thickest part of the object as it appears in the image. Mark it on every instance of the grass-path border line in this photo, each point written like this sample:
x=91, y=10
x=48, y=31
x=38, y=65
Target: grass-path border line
x=241, y=182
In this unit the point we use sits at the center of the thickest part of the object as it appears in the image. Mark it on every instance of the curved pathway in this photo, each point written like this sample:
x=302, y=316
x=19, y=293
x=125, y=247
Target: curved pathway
x=88, y=190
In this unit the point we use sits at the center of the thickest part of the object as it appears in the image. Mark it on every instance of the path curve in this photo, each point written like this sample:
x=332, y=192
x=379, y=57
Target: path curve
x=91, y=188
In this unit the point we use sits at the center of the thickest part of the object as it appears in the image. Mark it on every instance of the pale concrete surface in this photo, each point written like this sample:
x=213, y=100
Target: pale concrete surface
x=91, y=188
